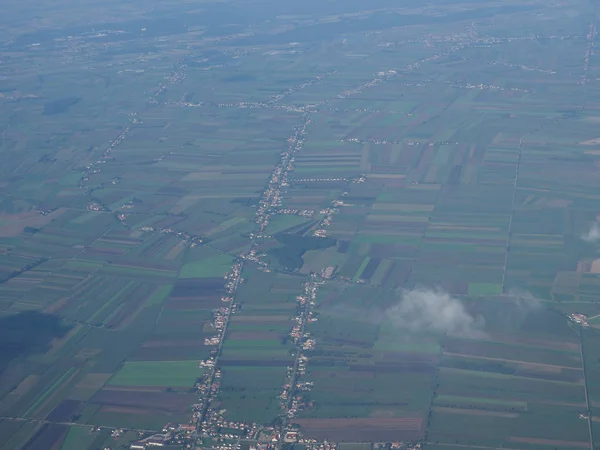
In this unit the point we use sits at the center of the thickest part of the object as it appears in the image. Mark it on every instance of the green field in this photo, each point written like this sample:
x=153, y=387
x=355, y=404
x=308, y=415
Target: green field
x=213, y=267
x=157, y=373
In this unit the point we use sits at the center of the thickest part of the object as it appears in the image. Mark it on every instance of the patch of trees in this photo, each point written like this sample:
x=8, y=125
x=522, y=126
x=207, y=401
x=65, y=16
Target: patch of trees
x=60, y=106
x=16, y=273
x=26, y=333
x=487, y=366
x=293, y=247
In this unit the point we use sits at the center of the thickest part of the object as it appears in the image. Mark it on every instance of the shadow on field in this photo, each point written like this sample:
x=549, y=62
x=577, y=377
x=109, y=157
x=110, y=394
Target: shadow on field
x=27, y=332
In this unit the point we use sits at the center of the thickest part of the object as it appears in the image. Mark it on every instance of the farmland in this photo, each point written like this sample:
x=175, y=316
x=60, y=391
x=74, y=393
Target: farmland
x=361, y=223
x=163, y=373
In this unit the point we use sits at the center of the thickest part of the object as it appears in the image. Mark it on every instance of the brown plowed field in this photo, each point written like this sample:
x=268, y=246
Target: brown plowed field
x=474, y=412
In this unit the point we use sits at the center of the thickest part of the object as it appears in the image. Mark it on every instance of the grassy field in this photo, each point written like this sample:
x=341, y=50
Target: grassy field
x=157, y=373
x=209, y=268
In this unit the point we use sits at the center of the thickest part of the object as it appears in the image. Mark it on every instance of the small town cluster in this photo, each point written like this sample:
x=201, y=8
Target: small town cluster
x=208, y=426
x=212, y=428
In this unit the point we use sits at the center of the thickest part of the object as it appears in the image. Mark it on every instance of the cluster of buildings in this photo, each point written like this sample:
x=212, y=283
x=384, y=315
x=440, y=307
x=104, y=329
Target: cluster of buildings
x=269, y=103
x=95, y=206
x=156, y=440
x=220, y=430
x=327, y=273
x=317, y=180
x=91, y=169
x=241, y=105
x=325, y=222
x=591, y=35
x=219, y=323
x=522, y=66
x=186, y=237
x=386, y=141
x=370, y=141
x=295, y=385
x=211, y=421
x=175, y=77
x=116, y=142
x=579, y=319
x=297, y=212
x=172, y=434
x=280, y=96
x=381, y=77
x=398, y=445
x=308, y=342
x=490, y=87
x=336, y=204
x=271, y=198
x=18, y=96
x=233, y=279
x=291, y=395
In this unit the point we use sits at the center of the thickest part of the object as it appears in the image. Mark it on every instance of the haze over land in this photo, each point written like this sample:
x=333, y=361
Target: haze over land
x=267, y=224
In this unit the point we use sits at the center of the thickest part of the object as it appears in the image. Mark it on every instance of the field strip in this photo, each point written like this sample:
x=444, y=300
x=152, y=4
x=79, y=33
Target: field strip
x=552, y=402
x=479, y=373
x=543, y=344
x=511, y=361
x=474, y=412
x=470, y=446
x=69, y=424
x=549, y=442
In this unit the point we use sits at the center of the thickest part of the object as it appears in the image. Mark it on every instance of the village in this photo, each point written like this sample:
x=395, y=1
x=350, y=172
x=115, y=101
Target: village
x=208, y=426
x=212, y=426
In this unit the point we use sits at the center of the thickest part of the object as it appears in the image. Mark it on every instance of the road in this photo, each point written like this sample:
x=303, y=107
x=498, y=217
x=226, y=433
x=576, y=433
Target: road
x=512, y=209
x=587, y=395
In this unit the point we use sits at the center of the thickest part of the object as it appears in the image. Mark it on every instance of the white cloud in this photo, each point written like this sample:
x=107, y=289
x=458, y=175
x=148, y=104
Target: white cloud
x=435, y=311
x=593, y=235
x=524, y=300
